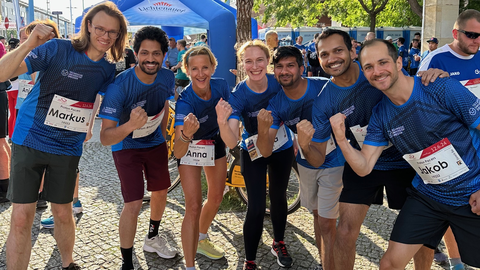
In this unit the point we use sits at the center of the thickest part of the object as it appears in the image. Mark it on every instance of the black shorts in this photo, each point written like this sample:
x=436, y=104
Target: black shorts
x=219, y=148
x=27, y=168
x=424, y=221
x=3, y=114
x=369, y=189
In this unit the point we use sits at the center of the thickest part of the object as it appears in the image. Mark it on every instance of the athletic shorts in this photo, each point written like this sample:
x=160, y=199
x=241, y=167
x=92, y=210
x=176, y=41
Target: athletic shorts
x=3, y=114
x=27, y=168
x=132, y=164
x=368, y=190
x=219, y=148
x=320, y=190
x=424, y=221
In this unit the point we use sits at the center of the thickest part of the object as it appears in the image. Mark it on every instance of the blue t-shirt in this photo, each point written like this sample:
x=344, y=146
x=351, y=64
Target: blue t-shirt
x=291, y=112
x=300, y=47
x=204, y=110
x=172, y=56
x=246, y=104
x=413, y=63
x=443, y=109
x=356, y=102
x=127, y=93
x=65, y=72
x=466, y=69
x=403, y=52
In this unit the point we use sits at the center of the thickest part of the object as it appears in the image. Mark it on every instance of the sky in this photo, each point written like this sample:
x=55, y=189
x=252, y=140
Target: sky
x=64, y=6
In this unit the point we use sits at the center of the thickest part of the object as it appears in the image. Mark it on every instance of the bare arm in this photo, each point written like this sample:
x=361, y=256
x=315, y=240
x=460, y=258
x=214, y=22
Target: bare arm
x=228, y=128
x=96, y=105
x=13, y=64
x=163, y=125
x=111, y=134
x=362, y=162
x=266, y=134
x=189, y=128
x=314, y=152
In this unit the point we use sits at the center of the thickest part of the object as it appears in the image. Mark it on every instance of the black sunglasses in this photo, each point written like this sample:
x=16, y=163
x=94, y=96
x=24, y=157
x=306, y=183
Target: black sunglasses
x=470, y=35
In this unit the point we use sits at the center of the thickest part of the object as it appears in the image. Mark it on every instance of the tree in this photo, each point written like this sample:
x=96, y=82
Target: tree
x=350, y=13
x=244, y=30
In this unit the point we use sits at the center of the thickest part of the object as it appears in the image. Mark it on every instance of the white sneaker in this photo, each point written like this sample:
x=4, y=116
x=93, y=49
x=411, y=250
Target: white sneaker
x=159, y=245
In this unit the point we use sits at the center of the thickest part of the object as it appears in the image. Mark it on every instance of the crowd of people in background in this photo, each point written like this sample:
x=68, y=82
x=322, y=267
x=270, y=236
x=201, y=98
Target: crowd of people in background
x=357, y=119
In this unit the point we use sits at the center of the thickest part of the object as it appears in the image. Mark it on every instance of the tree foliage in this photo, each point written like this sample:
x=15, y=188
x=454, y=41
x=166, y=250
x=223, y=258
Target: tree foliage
x=350, y=13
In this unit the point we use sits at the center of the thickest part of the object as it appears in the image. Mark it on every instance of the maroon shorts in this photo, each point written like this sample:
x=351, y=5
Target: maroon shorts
x=133, y=163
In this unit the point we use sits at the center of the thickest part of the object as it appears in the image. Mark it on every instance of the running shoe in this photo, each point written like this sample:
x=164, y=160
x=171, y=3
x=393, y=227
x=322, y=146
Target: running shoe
x=457, y=267
x=77, y=208
x=47, y=223
x=72, y=266
x=279, y=250
x=159, y=245
x=439, y=257
x=249, y=265
x=208, y=249
x=41, y=204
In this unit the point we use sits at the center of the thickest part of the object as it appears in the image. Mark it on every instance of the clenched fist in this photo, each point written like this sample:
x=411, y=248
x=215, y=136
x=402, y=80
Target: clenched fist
x=224, y=110
x=265, y=121
x=138, y=118
x=40, y=34
x=190, y=125
x=305, y=133
x=338, y=126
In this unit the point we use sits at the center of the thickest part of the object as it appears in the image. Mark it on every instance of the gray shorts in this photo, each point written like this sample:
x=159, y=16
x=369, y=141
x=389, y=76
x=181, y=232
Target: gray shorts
x=320, y=190
x=27, y=168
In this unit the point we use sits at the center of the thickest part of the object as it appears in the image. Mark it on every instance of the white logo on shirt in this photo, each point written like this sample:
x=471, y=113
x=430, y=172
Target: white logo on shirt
x=396, y=131
x=477, y=71
x=456, y=73
x=71, y=74
x=33, y=55
x=64, y=72
x=349, y=110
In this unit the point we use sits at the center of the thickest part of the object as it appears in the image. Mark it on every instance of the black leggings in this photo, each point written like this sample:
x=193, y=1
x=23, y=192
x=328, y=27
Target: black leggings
x=279, y=165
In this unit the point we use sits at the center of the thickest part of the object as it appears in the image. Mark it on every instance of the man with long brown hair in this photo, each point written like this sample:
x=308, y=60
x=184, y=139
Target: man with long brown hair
x=53, y=123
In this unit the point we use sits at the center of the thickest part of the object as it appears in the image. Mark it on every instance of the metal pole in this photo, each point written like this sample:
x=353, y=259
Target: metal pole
x=71, y=18
x=58, y=20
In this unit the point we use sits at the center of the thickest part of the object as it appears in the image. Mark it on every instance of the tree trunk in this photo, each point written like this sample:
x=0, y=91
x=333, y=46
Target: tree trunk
x=416, y=8
x=373, y=21
x=244, y=30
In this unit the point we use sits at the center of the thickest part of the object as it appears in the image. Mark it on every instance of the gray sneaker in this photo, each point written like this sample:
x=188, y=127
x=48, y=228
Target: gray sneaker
x=159, y=245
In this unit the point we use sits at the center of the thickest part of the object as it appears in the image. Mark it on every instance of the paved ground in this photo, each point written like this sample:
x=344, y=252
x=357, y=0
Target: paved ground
x=97, y=243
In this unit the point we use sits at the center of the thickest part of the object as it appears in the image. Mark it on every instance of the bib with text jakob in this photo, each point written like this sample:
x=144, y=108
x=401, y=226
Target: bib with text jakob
x=150, y=126
x=69, y=114
x=438, y=163
x=200, y=153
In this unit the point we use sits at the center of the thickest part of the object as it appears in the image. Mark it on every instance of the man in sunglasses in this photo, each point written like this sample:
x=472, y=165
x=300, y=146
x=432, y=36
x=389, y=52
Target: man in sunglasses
x=461, y=60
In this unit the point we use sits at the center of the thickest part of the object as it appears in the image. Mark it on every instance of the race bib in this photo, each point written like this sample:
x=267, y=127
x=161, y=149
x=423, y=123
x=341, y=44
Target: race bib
x=150, y=126
x=360, y=133
x=280, y=139
x=69, y=114
x=472, y=85
x=24, y=88
x=438, y=163
x=200, y=153
x=330, y=146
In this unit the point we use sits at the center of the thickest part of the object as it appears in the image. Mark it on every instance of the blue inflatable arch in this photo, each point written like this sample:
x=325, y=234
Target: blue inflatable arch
x=173, y=15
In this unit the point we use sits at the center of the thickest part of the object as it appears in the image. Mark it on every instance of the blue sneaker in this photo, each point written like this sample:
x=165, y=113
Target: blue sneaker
x=77, y=208
x=457, y=267
x=47, y=223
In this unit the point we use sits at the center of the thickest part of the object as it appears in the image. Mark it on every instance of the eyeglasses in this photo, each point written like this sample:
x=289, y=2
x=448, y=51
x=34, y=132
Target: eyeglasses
x=99, y=31
x=470, y=35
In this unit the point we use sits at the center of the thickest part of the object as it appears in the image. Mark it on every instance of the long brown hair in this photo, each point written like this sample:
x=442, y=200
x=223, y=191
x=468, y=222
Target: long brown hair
x=82, y=41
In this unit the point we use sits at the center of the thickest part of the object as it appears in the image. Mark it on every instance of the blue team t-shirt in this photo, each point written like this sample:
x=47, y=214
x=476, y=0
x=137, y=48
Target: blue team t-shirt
x=204, y=110
x=127, y=93
x=356, y=102
x=65, y=72
x=413, y=63
x=246, y=104
x=291, y=112
x=443, y=109
x=403, y=52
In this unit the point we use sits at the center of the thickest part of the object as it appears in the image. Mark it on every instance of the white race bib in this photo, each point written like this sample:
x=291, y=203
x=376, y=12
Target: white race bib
x=330, y=146
x=69, y=114
x=473, y=85
x=150, y=126
x=360, y=133
x=438, y=163
x=200, y=153
x=24, y=88
x=280, y=139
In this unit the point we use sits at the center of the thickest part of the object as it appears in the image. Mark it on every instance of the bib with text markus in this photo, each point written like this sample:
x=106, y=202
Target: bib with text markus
x=438, y=163
x=150, y=126
x=69, y=114
x=200, y=153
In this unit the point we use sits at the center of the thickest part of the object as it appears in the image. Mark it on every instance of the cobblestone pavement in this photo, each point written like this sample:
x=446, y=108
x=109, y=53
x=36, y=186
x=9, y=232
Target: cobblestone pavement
x=97, y=242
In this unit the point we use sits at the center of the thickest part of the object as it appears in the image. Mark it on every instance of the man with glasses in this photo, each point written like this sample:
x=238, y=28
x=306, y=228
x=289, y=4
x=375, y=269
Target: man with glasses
x=55, y=119
x=462, y=61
